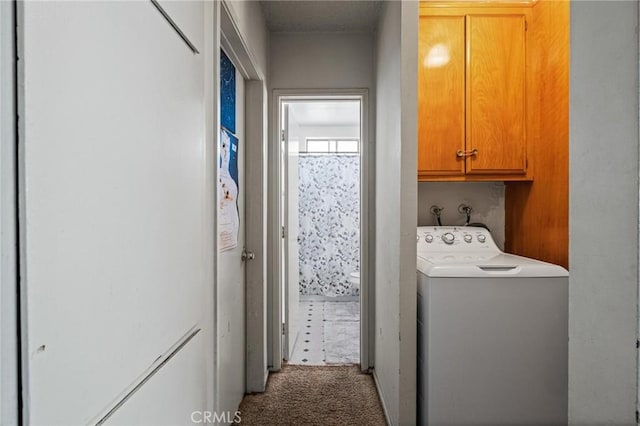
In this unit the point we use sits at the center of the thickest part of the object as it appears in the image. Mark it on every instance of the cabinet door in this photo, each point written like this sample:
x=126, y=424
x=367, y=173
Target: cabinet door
x=496, y=113
x=441, y=95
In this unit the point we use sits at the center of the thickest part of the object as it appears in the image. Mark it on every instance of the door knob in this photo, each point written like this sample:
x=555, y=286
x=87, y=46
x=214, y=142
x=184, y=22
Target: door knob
x=247, y=255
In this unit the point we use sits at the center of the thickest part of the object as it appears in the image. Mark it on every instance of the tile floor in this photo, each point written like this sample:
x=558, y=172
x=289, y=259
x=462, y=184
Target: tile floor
x=329, y=333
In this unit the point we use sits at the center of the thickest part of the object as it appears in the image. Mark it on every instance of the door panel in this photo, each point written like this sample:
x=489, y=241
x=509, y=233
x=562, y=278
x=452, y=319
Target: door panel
x=167, y=398
x=231, y=287
x=114, y=180
x=441, y=93
x=496, y=85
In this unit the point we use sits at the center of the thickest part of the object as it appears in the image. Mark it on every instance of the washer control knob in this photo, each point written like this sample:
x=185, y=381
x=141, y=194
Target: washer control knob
x=482, y=238
x=428, y=238
x=448, y=238
x=468, y=238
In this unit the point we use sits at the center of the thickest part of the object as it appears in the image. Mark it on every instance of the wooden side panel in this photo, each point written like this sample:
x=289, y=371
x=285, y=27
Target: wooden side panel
x=496, y=76
x=441, y=95
x=537, y=213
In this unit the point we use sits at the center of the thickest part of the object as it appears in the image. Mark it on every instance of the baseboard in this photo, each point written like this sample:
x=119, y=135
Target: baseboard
x=380, y=395
x=262, y=385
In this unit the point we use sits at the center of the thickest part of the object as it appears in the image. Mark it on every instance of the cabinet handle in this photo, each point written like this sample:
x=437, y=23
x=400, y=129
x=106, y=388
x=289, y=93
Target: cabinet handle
x=460, y=153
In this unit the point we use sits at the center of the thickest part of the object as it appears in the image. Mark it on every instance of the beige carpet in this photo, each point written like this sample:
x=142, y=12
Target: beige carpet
x=315, y=395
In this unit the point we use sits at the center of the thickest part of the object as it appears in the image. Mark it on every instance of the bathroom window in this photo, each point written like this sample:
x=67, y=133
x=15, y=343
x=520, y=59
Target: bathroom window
x=347, y=146
x=330, y=146
x=317, y=146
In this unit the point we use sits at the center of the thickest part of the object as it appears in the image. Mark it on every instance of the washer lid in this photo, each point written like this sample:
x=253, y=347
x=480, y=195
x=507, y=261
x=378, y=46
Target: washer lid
x=472, y=265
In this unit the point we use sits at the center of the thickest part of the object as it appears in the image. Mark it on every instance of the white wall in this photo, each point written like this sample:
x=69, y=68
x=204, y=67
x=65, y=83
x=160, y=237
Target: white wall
x=396, y=192
x=603, y=260
x=321, y=60
x=486, y=199
x=113, y=196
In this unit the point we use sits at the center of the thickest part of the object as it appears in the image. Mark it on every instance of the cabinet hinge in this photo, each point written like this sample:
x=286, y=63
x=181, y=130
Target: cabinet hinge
x=282, y=135
x=637, y=344
x=283, y=233
x=284, y=328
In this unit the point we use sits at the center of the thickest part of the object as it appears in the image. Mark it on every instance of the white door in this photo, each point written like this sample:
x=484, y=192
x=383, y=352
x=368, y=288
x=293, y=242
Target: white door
x=112, y=243
x=290, y=208
x=231, y=278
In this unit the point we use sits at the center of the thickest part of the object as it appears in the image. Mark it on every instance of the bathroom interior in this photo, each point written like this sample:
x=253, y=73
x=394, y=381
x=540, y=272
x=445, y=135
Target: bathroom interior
x=325, y=136
x=324, y=186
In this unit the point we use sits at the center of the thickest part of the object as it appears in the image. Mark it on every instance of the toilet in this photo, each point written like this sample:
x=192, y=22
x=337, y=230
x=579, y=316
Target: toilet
x=354, y=280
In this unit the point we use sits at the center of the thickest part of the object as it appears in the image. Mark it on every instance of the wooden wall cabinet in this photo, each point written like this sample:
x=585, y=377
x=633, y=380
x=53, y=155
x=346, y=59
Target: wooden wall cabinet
x=473, y=103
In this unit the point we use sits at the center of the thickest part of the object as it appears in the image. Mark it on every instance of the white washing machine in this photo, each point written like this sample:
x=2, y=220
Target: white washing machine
x=492, y=333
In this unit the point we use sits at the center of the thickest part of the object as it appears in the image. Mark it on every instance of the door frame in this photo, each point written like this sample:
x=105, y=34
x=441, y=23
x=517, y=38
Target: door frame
x=10, y=331
x=276, y=282
x=285, y=247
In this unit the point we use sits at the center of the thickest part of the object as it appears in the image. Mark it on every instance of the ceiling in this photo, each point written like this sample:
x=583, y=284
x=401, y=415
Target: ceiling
x=321, y=16
x=326, y=113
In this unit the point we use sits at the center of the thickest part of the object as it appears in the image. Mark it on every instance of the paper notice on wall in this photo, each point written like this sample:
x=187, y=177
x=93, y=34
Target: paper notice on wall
x=228, y=217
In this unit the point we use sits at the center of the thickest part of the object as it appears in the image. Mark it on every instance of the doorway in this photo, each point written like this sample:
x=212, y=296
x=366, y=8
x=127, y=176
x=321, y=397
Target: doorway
x=321, y=254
